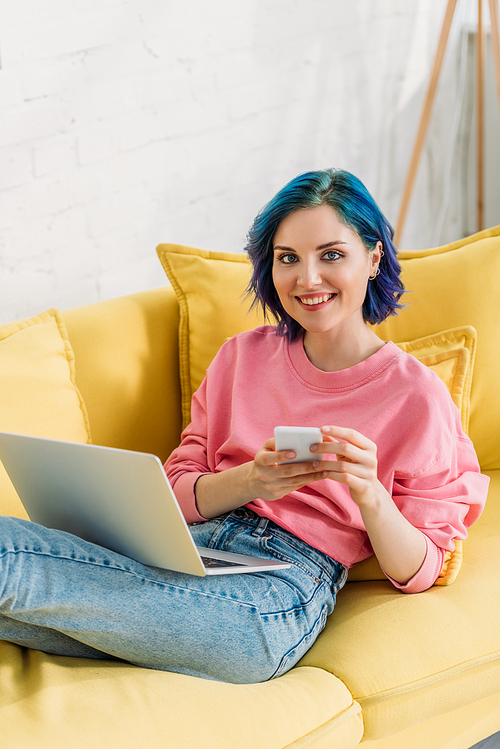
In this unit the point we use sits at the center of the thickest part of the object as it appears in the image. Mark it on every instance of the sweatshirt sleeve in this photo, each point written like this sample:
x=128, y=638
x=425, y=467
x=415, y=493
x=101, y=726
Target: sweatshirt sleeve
x=442, y=505
x=189, y=461
x=428, y=572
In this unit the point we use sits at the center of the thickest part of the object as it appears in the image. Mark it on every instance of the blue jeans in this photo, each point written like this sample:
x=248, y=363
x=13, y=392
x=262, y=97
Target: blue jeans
x=65, y=596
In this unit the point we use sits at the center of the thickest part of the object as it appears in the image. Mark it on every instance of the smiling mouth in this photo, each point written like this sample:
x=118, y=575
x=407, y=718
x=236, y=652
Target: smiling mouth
x=316, y=300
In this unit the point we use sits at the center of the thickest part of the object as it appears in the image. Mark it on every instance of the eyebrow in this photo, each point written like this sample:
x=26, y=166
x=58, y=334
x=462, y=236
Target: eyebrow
x=320, y=247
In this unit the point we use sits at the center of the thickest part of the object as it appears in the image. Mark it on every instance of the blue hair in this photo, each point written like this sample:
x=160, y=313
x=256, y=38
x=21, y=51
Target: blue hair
x=356, y=208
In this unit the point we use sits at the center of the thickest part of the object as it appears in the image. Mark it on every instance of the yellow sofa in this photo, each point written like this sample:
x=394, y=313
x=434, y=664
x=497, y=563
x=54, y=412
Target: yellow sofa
x=390, y=670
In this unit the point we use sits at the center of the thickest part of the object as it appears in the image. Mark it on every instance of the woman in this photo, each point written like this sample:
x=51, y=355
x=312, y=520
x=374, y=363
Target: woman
x=395, y=475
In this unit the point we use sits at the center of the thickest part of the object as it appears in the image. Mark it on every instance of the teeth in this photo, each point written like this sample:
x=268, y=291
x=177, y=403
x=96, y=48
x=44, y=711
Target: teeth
x=316, y=300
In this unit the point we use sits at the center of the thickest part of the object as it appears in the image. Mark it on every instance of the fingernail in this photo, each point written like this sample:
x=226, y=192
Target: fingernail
x=313, y=448
x=290, y=455
x=325, y=429
x=316, y=463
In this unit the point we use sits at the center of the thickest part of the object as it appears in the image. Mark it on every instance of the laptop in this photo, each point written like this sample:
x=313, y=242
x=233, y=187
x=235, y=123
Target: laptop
x=119, y=499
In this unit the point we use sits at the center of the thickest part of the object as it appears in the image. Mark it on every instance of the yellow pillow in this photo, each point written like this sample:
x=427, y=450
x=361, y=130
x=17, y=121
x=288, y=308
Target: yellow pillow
x=210, y=288
x=451, y=286
x=451, y=355
x=38, y=394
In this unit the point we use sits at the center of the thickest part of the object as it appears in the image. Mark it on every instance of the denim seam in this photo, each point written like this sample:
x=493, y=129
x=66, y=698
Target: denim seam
x=324, y=575
x=319, y=623
x=298, y=607
x=142, y=578
x=291, y=540
x=294, y=562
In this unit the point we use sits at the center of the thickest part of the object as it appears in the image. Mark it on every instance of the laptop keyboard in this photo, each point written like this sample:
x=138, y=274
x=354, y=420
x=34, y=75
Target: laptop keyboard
x=209, y=562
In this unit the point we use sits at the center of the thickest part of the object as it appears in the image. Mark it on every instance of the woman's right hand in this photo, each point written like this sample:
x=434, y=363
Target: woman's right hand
x=272, y=478
x=265, y=477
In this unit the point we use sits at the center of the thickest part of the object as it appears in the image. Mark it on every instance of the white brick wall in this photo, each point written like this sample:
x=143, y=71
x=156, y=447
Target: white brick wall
x=125, y=123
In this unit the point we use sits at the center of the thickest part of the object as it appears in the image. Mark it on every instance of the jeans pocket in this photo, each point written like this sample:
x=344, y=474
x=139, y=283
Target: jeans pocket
x=289, y=548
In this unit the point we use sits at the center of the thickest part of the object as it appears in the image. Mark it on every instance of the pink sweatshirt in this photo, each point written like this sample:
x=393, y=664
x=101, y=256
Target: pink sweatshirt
x=425, y=461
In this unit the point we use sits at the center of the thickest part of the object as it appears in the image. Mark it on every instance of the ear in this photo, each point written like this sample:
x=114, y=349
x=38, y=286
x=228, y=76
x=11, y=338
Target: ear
x=376, y=257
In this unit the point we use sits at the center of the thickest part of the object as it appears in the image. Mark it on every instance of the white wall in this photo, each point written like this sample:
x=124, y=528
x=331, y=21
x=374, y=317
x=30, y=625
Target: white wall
x=125, y=123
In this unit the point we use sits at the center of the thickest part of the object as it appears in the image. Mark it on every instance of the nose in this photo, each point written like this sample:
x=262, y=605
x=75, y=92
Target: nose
x=309, y=275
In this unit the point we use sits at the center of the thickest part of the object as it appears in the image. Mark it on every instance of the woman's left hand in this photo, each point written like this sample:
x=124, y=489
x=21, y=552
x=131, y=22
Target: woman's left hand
x=399, y=546
x=355, y=464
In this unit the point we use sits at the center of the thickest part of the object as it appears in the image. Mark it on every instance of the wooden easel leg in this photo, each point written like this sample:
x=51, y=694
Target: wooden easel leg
x=425, y=118
x=480, y=49
x=495, y=42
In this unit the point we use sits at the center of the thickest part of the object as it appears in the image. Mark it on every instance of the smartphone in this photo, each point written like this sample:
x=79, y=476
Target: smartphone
x=299, y=439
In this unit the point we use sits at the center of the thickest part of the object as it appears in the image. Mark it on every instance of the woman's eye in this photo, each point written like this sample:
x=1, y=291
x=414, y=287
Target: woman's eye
x=287, y=259
x=332, y=255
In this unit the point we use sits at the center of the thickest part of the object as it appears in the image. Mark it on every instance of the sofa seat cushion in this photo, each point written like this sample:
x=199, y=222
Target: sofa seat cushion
x=38, y=392
x=460, y=729
x=51, y=701
x=406, y=659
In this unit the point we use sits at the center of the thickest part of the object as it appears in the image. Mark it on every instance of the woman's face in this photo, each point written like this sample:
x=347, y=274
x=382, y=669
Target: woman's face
x=321, y=270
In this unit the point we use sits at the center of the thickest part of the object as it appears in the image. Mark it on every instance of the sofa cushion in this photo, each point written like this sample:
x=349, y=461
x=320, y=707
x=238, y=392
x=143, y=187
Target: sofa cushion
x=454, y=285
x=406, y=659
x=127, y=355
x=57, y=702
x=450, y=354
x=210, y=288
x=38, y=394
